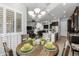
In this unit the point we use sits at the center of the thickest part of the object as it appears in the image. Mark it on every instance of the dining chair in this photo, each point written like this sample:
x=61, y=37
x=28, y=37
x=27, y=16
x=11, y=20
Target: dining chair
x=66, y=49
x=8, y=51
x=74, y=43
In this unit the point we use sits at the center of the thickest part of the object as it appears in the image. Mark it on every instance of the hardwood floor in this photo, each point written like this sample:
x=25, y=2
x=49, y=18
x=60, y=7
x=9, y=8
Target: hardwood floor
x=60, y=43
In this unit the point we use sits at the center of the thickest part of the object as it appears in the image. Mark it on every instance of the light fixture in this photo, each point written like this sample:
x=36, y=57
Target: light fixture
x=30, y=13
x=33, y=16
x=37, y=10
x=37, y=13
x=43, y=12
x=39, y=16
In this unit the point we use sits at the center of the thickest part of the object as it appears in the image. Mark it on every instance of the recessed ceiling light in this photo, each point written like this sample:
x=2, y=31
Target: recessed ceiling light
x=64, y=16
x=64, y=11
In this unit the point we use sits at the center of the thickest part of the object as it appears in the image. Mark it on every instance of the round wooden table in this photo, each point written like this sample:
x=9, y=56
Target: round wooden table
x=38, y=50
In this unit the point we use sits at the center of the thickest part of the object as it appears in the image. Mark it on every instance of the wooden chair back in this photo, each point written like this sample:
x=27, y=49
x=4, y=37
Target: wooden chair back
x=8, y=51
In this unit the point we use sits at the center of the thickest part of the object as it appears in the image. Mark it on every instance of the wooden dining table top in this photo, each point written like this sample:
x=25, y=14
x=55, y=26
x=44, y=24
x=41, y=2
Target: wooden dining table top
x=38, y=50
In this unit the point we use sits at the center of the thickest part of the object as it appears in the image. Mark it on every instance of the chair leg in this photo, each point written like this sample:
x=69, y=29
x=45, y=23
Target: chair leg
x=78, y=53
x=72, y=53
x=10, y=52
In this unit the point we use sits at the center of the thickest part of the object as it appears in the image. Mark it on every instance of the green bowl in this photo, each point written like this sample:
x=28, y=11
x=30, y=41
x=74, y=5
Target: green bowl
x=25, y=51
x=50, y=48
x=26, y=48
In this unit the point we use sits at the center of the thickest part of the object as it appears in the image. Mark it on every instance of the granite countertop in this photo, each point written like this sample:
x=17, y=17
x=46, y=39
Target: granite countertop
x=74, y=34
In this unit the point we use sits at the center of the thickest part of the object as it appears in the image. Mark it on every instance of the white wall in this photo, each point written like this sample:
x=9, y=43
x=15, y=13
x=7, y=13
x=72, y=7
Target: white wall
x=63, y=27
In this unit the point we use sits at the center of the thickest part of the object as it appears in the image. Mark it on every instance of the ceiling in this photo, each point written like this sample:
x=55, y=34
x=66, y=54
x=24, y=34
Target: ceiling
x=55, y=11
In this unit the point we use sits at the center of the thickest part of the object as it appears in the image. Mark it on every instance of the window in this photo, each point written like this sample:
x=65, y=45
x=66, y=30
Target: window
x=10, y=20
x=18, y=22
x=1, y=20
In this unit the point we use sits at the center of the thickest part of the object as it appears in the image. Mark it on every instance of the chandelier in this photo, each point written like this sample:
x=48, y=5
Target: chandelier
x=37, y=13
